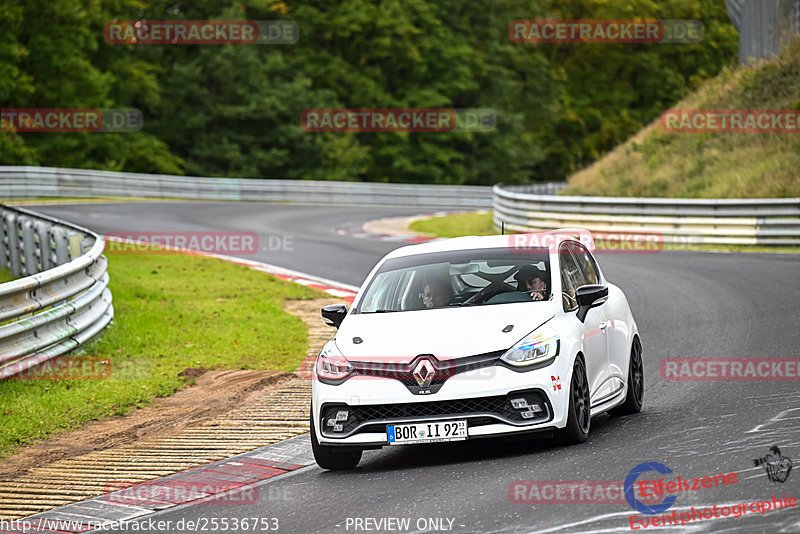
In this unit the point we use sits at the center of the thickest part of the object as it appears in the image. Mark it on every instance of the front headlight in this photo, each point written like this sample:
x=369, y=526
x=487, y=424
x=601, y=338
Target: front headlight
x=331, y=363
x=539, y=346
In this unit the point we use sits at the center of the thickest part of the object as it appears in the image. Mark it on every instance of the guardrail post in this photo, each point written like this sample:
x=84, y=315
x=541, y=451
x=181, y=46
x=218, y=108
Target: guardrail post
x=44, y=251
x=28, y=242
x=5, y=239
x=75, y=244
x=61, y=245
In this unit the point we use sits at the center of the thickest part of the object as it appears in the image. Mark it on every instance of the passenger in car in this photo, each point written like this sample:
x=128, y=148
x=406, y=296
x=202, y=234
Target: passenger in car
x=436, y=294
x=532, y=280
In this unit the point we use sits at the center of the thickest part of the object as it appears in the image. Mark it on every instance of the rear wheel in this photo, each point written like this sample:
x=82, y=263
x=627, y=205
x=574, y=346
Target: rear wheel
x=635, y=395
x=333, y=458
x=580, y=412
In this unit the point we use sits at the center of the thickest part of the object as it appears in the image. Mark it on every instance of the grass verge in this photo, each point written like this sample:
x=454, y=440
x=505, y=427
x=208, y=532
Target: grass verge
x=172, y=312
x=6, y=276
x=475, y=223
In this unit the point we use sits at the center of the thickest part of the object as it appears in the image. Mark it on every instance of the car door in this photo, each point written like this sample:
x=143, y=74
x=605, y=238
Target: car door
x=595, y=345
x=618, y=329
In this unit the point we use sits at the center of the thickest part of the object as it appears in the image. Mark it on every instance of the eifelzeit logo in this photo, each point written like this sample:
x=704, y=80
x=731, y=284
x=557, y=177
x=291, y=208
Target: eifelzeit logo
x=776, y=465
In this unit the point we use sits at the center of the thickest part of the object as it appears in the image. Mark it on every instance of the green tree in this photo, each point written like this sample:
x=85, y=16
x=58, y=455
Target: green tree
x=234, y=110
x=52, y=55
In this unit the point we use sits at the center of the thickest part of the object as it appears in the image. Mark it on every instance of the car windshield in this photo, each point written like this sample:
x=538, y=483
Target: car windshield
x=458, y=278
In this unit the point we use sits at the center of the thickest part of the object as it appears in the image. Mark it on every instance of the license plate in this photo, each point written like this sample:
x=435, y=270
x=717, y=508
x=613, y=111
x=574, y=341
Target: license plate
x=434, y=432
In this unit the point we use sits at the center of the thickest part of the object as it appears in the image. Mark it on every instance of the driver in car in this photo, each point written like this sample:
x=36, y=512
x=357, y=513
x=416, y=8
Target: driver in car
x=532, y=280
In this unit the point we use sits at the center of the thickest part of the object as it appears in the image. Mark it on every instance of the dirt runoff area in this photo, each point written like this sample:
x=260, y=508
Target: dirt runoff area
x=214, y=393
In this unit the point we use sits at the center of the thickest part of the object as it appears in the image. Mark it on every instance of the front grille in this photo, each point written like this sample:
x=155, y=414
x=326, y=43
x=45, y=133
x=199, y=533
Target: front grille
x=445, y=369
x=478, y=411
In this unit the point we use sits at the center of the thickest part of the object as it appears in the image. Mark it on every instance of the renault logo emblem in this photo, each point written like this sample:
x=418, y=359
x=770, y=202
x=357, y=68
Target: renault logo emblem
x=424, y=372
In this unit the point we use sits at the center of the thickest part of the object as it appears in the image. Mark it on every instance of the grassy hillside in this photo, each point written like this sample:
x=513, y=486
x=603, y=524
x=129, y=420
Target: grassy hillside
x=724, y=165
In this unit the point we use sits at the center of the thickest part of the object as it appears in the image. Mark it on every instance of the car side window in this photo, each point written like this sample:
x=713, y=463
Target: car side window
x=586, y=263
x=571, y=278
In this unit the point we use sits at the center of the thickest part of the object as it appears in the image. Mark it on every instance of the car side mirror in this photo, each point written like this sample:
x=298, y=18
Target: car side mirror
x=335, y=314
x=588, y=297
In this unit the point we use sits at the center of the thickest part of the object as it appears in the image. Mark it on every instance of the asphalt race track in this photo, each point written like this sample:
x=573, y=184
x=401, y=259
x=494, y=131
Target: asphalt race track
x=687, y=304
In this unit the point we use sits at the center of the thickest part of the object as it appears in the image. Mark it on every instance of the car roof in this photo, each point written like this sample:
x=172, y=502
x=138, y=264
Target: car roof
x=478, y=242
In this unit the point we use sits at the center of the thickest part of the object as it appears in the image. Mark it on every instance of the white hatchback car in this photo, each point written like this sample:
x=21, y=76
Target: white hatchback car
x=474, y=337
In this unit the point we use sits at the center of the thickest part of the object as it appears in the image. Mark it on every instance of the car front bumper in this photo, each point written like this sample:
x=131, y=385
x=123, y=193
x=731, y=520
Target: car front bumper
x=482, y=397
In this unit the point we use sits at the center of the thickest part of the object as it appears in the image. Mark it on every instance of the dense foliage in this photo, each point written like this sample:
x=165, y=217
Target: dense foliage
x=234, y=110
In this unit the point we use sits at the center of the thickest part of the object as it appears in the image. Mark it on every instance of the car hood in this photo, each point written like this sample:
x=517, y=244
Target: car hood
x=446, y=333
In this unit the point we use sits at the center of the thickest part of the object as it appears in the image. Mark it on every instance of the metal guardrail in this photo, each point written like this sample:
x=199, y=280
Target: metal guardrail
x=63, y=298
x=26, y=182
x=765, y=26
x=675, y=220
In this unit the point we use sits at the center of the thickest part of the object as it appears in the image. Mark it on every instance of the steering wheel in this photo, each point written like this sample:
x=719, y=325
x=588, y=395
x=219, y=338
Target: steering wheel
x=494, y=288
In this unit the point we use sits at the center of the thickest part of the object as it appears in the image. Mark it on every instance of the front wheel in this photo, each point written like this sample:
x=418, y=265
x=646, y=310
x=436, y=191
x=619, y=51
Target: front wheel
x=635, y=395
x=333, y=458
x=580, y=411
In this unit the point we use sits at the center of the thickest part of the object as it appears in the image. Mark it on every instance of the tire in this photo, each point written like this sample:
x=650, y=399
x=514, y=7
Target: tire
x=579, y=416
x=635, y=395
x=333, y=458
